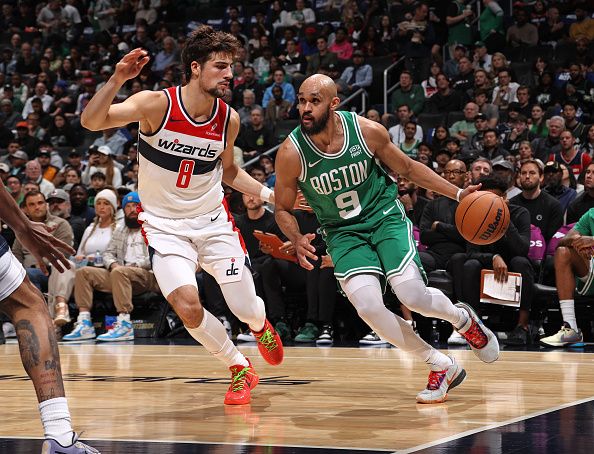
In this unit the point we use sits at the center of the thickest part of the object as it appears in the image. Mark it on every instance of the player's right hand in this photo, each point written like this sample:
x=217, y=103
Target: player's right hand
x=305, y=250
x=43, y=245
x=131, y=64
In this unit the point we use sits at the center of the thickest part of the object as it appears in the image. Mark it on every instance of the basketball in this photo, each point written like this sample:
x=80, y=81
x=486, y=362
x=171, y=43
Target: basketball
x=482, y=217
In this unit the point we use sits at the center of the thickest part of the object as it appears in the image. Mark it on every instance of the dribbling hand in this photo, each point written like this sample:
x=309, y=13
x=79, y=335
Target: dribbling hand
x=469, y=190
x=43, y=245
x=131, y=64
x=305, y=250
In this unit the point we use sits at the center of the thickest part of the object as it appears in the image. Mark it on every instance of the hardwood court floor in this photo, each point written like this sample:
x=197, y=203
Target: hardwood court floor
x=319, y=397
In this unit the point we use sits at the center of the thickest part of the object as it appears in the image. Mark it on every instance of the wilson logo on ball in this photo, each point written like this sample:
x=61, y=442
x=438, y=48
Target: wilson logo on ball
x=492, y=227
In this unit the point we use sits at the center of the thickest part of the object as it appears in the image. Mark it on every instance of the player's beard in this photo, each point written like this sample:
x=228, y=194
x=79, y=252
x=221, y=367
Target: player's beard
x=216, y=92
x=317, y=126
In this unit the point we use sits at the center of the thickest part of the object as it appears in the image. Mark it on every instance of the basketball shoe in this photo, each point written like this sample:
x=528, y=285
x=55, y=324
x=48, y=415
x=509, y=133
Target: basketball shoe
x=565, y=337
x=270, y=344
x=440, y=382
x=243, y=380
x=83, y=329
x=51, y=446
x=481, y=339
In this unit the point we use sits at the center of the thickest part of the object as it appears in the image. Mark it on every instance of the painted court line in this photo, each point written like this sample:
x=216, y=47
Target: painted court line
x=492, y=426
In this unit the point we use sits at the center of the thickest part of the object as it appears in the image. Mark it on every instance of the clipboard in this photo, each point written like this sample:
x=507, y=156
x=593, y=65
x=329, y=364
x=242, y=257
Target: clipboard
x=505, y=294
x=274, y=242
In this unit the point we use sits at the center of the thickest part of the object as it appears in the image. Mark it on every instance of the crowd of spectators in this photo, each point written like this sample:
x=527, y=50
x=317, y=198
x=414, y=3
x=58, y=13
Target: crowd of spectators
x=489, y=94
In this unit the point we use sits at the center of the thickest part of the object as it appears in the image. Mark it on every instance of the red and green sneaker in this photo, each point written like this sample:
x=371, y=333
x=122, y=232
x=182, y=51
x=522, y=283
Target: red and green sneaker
x=270, y=344
x=243, y=380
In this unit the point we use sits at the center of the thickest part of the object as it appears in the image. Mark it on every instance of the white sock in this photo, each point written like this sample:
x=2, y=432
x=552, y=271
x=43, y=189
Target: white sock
x=125, y=317
x=438, y=361
x=212, y=335
x=84, y=315
x=568, y=313
x=55, y=418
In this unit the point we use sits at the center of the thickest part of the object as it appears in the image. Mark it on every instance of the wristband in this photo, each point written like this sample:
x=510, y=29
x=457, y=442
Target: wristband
x=458, y=194
x=265, y=194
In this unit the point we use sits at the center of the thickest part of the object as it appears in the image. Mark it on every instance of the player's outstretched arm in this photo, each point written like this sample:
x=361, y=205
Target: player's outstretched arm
x=288, y=168
x=378, y=139
x=235, y=176
x=101, y=114
x=34, y=235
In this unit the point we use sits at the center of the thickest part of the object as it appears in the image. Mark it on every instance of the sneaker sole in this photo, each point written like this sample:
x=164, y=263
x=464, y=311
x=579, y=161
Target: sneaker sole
x=562, y=344
x=324, y=341
x=457, y=381
x=82, y=338
x=364, y=342
x=116, y=339
x=304, y=341
x=490, y=335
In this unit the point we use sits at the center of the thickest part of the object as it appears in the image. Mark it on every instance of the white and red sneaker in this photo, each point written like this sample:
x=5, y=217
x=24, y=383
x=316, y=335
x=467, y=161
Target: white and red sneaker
x=440, y=382
x=481, y=339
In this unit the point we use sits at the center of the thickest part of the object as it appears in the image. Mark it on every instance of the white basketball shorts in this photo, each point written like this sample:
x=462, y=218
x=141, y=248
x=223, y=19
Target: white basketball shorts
x=12, y=274
x=212, y=240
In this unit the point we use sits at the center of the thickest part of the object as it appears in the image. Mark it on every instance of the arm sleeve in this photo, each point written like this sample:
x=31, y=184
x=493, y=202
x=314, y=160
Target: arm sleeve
x=495, y=8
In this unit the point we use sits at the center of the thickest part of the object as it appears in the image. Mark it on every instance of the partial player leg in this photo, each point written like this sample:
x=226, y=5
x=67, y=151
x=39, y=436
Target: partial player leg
x=41, y=359
x=411, y=290
x=568, y=265
x=248, y=307
x=365, y=293
x=177, y=280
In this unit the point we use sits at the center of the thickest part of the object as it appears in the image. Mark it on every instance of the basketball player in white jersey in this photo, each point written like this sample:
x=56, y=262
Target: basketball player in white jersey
x=27, y=310
x=185, y=150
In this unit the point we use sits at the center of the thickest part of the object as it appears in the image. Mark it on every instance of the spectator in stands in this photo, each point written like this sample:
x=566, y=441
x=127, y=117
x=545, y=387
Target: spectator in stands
x=552, y=185
x=479, y=168
x=299, y=17
x=101, y=160
x=583, y=202
x=35, y=207
x=524, y=152
x=481, y=98
x=59, y=205
x=126, y=272
x=465, y=129
x=48, y=171
x=506, y=172
x=256, y=137
x=9, y=116
x=61, y=134
x=519, y=133
x=587, y=145
x=114, y=139
x=538, y=124
x=419, y=38
x=458, y=21
x=166, y=57
x=408, y=194
x=15, y=187
x=583, y=27
x=546, y=94
x=410, y=145
x=96, y=238
x=553, y=29
x=293, y=62
x=504, y=92
x=438, y=227
x=445, y=100
x=491, y=28
x=79, y=203
x=374, y=115
x=543, y=147
x=27, y=64
x=27, y=142
x=18, y=161
x=249, y=103
x=492, y=149
x=570, y=154
x=464, y=80
x=358, y=75
x=341, y=46
x=278, y=109
x=510, y=253
x=279, y=80
x=249, y=83
x=404, y=114
x=474, y=144
x=39, y=94
x=408, y=94
x=522, y=33
x=74, y=161
x=323, y=58
x=577, y=128
x=545, y=211
x=451, y=67
x=481, y=59
x=429, y=85
x=33, y=174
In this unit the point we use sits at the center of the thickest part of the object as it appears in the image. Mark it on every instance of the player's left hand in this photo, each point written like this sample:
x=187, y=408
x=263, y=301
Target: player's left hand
x=469, y=190
x=43, y=245
x=287, y=248
x=305, y=250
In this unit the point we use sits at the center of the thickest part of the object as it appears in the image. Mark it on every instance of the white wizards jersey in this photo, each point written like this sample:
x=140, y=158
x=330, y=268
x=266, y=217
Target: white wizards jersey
x=180, y=169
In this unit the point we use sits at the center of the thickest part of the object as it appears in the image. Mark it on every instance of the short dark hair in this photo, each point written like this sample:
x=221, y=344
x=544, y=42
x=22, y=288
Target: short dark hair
x=202, y=43
x=493, y=182
x=538, y=165
x=33, y=193
x=494, y=131
x=570, y=103
x=98, y=176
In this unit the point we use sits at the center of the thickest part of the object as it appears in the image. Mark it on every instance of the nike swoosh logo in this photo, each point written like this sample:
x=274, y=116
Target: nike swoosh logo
x=389, y=209
x=312, y=164
x=176, y=119
x=215, y=218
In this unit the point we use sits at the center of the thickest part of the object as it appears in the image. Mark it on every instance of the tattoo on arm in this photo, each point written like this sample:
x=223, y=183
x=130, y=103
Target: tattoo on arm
x=28, y=344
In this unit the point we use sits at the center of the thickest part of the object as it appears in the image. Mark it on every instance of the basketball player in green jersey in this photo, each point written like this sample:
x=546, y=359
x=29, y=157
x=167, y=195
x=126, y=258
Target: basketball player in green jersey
x=332, y=158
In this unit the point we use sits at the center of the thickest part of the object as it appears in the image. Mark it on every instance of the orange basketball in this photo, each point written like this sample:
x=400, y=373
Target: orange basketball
x=482, y=217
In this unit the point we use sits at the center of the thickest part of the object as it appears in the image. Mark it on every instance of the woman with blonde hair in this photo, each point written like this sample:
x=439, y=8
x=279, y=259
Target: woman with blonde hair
x=95, y=239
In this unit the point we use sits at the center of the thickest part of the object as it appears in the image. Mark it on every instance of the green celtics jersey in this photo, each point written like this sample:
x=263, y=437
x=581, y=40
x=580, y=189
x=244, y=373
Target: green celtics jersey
x=346, y=187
